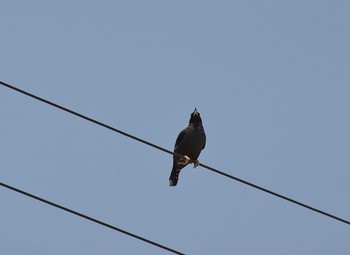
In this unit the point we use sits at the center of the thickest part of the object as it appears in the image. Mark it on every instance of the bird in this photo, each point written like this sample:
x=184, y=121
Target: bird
x=189, y=144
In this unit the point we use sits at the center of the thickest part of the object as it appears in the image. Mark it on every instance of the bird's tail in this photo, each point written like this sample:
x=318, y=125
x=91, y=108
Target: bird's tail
x=174, y=176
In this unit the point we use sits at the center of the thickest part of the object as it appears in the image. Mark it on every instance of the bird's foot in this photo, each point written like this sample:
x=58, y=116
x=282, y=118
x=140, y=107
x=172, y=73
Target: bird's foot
x=186, y=160
x=196, y=163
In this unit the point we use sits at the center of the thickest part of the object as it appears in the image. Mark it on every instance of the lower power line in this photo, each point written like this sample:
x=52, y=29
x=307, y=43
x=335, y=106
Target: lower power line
x=89, y=218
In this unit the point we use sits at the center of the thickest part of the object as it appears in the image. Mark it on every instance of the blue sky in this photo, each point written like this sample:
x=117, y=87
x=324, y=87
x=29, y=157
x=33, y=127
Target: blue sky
x=270, y=79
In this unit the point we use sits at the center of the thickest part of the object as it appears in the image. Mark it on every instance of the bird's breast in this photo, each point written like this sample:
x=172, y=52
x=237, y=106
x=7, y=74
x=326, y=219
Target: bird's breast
x=192, y=143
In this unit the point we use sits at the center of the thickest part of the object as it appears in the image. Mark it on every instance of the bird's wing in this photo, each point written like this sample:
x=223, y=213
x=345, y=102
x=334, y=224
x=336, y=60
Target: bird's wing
x=180, y=137
x=205, y=140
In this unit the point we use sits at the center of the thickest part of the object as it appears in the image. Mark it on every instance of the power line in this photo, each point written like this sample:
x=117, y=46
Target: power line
x=276, y=194
x=89, y=218
x=87, y=118
x=172, y=153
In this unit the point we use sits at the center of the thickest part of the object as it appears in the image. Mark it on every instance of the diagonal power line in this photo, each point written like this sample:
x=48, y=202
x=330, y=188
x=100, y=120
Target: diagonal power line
x=276, y=194
x=89, y=218
x=172, y=153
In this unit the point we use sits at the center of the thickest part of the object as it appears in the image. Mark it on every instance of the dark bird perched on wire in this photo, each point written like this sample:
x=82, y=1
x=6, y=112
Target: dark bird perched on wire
x=189, y=143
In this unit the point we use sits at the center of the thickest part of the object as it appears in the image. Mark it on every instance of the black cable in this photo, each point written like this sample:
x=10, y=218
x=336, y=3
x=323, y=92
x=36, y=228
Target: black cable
x=87, y=118
x=172, y=153
x=90, y=218
x=275, y=194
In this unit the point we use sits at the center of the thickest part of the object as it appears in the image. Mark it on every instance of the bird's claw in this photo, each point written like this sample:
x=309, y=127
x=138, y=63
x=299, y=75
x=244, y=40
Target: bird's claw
x=186, y=160
x=196, y=163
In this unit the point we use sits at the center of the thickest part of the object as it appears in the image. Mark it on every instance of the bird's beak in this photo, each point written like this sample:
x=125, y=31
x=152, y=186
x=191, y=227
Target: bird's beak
x=195, y=111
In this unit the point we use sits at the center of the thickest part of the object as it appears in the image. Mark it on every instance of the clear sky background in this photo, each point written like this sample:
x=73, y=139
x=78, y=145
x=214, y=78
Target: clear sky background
x=272, y=83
